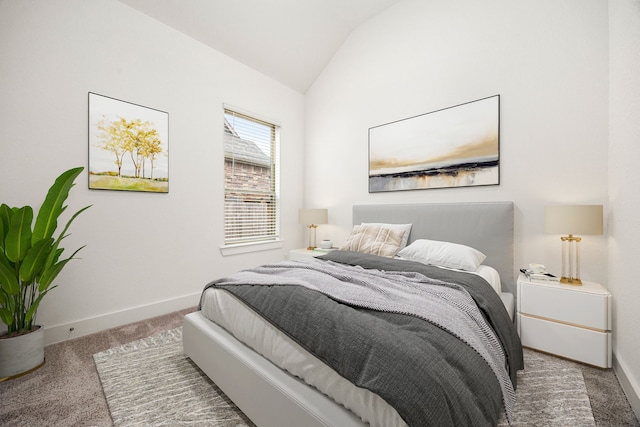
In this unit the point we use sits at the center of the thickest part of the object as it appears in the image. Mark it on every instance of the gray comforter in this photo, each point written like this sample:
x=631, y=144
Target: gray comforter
x=452, y=369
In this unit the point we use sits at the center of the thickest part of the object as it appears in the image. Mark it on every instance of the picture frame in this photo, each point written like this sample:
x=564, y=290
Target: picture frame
x=128, y=146
x=457, y=146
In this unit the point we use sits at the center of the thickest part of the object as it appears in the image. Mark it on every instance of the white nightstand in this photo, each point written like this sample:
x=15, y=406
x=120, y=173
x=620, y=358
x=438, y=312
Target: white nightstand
x=569, y=321
x=304, y=253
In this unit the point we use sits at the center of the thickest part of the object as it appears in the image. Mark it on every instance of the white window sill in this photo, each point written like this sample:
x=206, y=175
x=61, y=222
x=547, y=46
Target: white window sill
x=244, y=248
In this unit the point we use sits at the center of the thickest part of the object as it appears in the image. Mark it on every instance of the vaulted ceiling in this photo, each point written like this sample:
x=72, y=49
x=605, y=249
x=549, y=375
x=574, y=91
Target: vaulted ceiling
x=290, y=41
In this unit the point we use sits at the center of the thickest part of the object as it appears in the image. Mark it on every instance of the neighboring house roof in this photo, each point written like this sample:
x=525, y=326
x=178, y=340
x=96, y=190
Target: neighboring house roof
x=242, y=150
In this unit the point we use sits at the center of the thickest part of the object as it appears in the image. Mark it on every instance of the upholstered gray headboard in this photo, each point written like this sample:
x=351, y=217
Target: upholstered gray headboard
x=485, y=226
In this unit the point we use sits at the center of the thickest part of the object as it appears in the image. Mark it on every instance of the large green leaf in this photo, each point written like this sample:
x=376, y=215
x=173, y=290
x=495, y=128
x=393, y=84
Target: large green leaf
x=5, y=217
x=34, y=306
x=51, y=272
x=33, y=262
x=52, y=207
x=2, y=231
x=49, y=275
x=4, y=260
x=18, y=240
x=6, y=316
x=66, y=227
x=8, y=280
x=56, y=251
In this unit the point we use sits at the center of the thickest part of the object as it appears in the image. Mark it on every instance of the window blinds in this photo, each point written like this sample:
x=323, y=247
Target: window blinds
x=251, y=205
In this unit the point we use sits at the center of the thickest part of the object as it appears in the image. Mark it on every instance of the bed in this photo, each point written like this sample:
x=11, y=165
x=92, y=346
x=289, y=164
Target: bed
x=258, y=360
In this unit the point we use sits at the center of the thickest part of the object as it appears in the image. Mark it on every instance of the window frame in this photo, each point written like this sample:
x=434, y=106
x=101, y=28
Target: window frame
x=269, y=240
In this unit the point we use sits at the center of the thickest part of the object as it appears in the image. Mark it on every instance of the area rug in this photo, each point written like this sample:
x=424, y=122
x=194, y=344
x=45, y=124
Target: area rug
x=551, y=392
x=151, y=382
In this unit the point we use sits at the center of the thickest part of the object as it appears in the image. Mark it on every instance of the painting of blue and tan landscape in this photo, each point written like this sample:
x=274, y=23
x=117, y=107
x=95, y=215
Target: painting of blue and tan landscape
x=454, y=147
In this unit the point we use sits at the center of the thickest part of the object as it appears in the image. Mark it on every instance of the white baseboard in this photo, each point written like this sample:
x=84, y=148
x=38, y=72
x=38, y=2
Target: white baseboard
x=79, y=328
x=629, y=384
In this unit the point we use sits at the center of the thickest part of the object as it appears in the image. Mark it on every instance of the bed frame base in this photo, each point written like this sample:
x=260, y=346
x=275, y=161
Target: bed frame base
x=265, y=393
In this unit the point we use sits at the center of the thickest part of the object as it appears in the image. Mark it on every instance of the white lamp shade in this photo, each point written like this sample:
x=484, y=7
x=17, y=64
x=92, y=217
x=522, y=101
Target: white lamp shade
x=312, y=216
x=573, y=219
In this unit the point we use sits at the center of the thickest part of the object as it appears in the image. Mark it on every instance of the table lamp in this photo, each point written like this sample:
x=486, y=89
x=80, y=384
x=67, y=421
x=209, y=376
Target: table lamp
x=571, y=220
x=311, y=218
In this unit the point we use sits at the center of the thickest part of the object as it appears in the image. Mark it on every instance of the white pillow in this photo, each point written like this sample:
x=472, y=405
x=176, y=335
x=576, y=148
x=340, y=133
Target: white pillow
x=491, y=275
x=445, y=254
x=405, y=228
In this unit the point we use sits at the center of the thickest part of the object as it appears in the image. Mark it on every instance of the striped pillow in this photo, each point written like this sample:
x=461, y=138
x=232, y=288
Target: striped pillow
x=376, y=240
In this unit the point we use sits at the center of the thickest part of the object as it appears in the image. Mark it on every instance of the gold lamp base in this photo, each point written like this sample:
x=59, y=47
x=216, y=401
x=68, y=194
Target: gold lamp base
x=312, y=237
x=571, y=281
x=571, y=260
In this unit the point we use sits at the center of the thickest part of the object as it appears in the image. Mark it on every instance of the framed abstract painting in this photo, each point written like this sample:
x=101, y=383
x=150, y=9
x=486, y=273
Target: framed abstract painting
x=457, y=146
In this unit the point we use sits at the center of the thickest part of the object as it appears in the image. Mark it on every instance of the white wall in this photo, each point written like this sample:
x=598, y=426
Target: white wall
x=146, y=254
x=546, y=59
x=624, y=198
x=549, y=61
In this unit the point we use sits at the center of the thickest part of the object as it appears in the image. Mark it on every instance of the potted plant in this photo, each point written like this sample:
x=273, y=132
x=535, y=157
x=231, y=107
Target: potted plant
x=30, y=260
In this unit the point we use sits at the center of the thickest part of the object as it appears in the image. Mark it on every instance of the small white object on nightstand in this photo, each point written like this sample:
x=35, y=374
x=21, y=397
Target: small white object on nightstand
x=569, y=321
x=303, y=253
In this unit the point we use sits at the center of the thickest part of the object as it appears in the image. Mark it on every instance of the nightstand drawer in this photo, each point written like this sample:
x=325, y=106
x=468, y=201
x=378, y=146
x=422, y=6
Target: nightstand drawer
x=574, y=306
x=584, y=345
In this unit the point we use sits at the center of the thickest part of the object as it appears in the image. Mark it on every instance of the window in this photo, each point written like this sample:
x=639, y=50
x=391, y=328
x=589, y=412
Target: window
x=251, y=190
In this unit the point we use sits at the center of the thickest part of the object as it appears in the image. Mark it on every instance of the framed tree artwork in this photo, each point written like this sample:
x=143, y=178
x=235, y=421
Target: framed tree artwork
x=457, y=146
x=128, y=146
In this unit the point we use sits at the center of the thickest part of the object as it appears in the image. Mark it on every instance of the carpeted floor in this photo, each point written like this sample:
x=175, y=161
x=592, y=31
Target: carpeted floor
x=66, y=391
